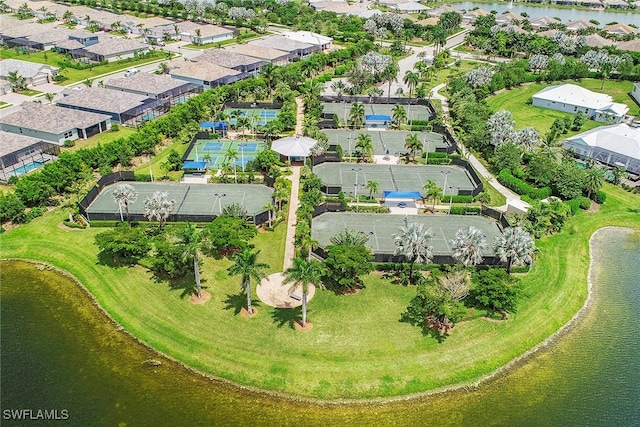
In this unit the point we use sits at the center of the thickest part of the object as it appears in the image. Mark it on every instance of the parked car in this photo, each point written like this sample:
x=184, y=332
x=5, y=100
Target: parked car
x=131, y=71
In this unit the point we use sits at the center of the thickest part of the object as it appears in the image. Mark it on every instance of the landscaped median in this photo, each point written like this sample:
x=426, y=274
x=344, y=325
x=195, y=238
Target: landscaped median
x=357, y=348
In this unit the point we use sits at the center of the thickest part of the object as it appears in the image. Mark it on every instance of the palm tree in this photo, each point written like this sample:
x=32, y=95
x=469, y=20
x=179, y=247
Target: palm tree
x=514, y=246
x=308, y=244
x=124, y=195
x=159, y=207
x=17, y=81
x=67, y=16
x=303, y=273
x=372, y=186
x=207, y=158
x=267, y=72
x=411, y=79
x=399, y=115
x=246, y=264
x=432, y=192
x=88, y=82
x=192, y=243
x=390, y=75
x=338, y=87
x=413, y=144
x=269, y=207
x=365, y=145
x=414, y=243
x=356, y=114
x=49, y=97
x=281, y=195
x=232, y=155
x=593, y=180
x=349, y=237
x=243, y=123
x=468, y=245
x=163, y=68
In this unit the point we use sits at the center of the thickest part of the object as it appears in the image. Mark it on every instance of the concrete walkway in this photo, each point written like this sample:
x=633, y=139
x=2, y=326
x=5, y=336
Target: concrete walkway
x=294, y=204
x=513, y=199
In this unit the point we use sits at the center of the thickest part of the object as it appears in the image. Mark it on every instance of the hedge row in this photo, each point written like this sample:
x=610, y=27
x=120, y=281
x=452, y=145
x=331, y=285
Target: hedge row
x=456, y=199
x=521, y=187
x=463, y=210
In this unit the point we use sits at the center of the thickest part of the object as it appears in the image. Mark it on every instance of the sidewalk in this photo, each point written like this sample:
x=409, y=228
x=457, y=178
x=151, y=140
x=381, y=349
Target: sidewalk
x=294, y=204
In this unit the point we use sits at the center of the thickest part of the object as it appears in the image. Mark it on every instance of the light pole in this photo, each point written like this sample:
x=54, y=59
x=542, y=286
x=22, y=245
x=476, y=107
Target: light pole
x=150, y=171
x=445, y=174
x=349, y=138
x=426, y=147
x=451, y=196
x=241, y=147
x=344, y=104
x=219, y=197
x=357, y=171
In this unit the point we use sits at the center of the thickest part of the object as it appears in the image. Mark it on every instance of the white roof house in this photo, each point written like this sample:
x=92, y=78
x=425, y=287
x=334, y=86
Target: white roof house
x=33, y=72
x=572, y=98
x=309, y=37
x=614, y=145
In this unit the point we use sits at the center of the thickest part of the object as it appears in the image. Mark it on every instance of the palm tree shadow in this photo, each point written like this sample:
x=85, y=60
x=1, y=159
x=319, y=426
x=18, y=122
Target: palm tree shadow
x=237, y=302
x=286, y=316
x=186, y=285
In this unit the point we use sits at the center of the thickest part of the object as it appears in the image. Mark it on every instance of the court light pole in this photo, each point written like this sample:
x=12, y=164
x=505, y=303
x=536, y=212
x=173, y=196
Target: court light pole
x=445, y=174
x=349, y=138
x=150, y=171
x=357, y=171
x=451, y=196
x=426, y=147
x=219, y=197
x=241, y=147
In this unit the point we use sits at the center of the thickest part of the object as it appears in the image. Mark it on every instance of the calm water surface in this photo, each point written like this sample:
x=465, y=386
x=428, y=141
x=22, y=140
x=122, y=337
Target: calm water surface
x=60, y=352
x=565, y=14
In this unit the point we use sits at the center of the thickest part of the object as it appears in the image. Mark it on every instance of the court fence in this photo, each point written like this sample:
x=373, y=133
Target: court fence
x=249, y=105
x=83, y=204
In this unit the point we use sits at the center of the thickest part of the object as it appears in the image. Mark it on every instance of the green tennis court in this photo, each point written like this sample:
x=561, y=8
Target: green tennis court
x=381, y=228
x=214, y=151
x=257, y=116
x=341, y=109
x=191, y=199
x=391, y=140
x=391, y=177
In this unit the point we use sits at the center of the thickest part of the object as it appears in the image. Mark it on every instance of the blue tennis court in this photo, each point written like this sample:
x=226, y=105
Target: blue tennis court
x=249, y=147
x=212, y=146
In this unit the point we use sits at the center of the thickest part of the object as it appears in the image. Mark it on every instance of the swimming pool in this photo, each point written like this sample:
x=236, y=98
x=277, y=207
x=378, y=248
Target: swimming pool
x=27, y=168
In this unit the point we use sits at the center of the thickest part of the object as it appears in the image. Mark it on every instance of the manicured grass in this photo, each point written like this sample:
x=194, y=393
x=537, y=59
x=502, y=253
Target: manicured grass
x=72, y=75
x=516, y=101
x=497, y=198
x=160, y=158
x=101, y=138
x=357, y=347
x=29, y=92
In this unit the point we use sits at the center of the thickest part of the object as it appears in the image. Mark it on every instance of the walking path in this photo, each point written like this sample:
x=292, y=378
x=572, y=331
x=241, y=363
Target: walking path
x=294, y=204
x=513, y=199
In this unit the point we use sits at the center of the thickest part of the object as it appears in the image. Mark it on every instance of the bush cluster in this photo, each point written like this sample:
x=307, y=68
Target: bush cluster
x=521, y=187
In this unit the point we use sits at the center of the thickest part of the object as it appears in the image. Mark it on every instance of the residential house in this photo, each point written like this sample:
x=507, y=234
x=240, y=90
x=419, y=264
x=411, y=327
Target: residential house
x=204, y=74
x=123, y=107
x=206, y=34
x=596, y=40
x=296, y=48
x=471, y=15
x=509, y=18
x=20, y=154
x=77, y=40
x=542, y=23
x=614, y=145
x=409, y=7
x=635, y=93
x=571, y=98
x=596, y=4
x=155, y=86
x=5, y=87
x=248, y=65
x=432, y=21
x=615, y=4
x=272, y=55
x=111, y=49
x=315, y=39
x=54, y=124
x=35, y=74
x=620, y=29
x=577, y=25
x=549, y=33
x=631, y=45
x=442, y=9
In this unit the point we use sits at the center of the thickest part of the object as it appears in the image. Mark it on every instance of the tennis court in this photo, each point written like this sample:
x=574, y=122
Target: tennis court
x=341, y=109
x=256, y=116
x=381, y=228
x=392, y=177
x=191, y=199
x=215, y=151
x=392, y=140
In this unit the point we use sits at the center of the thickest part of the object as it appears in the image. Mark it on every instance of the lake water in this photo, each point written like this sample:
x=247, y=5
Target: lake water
x=564, y=13
x=60, y=352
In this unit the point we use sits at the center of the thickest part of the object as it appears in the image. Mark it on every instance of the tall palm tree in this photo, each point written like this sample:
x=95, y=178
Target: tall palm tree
x=308, y=244
x=365, y=145
x=411, y=79
x=514, y=246
x=414, y=243
x=398, y=114
x=281, y=195
x=338, y=87
x=593, y=180
x=267, y=72
x=158, y=207
x=207, y=158
x=192, y=241
x=303, y=273
x=124, y=195
x=468, y=245
x=372, y=186
x=432, y=192
x=356, y=114
x=390, y=75
x=232, y=156
x=413, y=144
x=349, y=237
x=269, y=207
x=243, y=123
x=17, y=81
x=246, y=264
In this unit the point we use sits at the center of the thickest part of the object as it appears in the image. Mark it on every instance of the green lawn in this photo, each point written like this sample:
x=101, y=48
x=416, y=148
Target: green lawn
x=357, y=348
x=30, y=92
x=73, y=75
x=101, y=138
x=516, y=101
x=160, y=158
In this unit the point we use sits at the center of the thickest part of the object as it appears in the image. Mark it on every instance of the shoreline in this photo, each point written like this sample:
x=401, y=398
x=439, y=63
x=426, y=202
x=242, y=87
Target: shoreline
x=375, y=401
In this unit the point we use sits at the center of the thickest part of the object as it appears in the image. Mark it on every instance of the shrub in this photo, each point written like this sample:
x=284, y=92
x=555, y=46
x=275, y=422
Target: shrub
x=143, y=177
x=519, y=186
x=69, y=143
x=35, y=213
x=463, y=210
x=574, y=204
x=585, y=203
x=456, y=199
x=600, y=197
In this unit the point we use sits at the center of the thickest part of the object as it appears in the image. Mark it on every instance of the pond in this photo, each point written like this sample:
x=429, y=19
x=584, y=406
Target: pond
x=566, y=14
x=59, y=352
